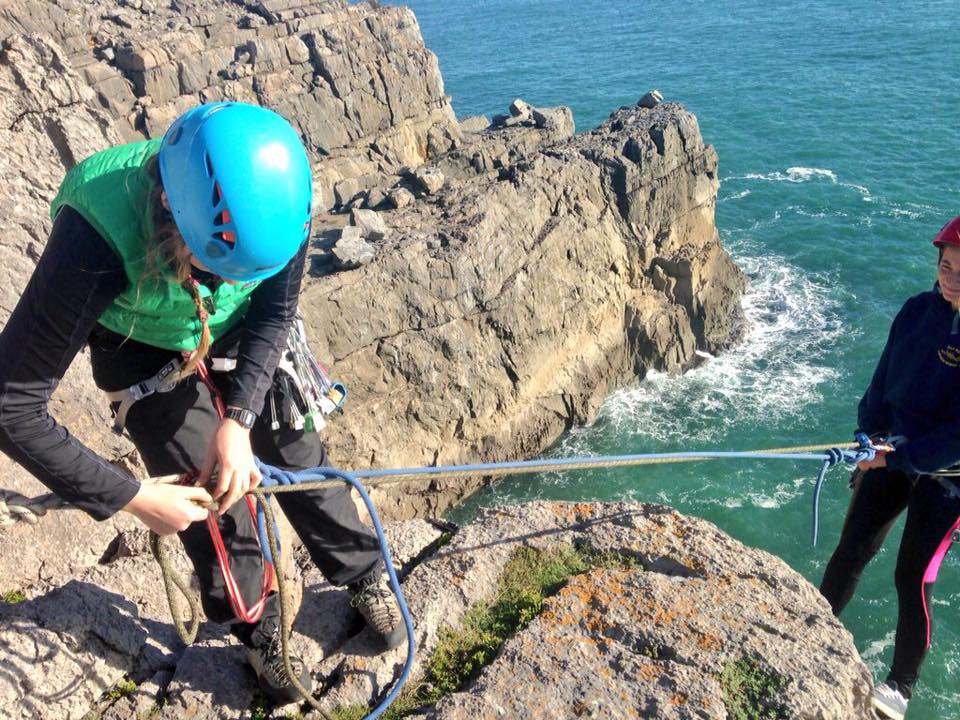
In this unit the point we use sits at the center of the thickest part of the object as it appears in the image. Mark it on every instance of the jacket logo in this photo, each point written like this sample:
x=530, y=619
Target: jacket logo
x=949, y=356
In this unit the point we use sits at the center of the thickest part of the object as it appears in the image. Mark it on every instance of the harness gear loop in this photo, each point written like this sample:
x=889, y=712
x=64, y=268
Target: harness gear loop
x=165, y=380
x=309, y=392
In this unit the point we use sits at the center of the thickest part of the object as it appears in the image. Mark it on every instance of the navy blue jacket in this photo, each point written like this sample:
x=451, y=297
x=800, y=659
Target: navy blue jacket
x=915, y=390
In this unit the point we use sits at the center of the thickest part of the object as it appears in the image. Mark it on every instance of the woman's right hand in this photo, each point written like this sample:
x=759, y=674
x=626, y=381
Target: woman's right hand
x=167, y=509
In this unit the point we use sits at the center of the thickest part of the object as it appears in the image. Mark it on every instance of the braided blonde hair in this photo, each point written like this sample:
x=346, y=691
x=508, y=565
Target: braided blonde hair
x=167, y=250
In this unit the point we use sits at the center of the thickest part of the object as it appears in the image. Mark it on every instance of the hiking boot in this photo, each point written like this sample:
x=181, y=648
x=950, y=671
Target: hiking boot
x=374, y=600
x=889, y=702
x=265, y=655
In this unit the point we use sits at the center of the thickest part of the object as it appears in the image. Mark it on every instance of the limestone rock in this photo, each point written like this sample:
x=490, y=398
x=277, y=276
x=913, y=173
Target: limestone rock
x=351, y=250
x=645, y=641
x=371, y=224
x=650, y=100
x=517, y=299
x=474, y=124
x=429, y=179
x=558, y=120
x=400, y=197
x=521, y=109
x=376, y=198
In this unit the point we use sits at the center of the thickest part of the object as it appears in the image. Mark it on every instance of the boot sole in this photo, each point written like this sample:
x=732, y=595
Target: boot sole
x=886, y=712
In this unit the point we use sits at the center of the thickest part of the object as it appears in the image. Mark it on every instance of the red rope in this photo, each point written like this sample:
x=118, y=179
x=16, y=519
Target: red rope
x=239, y=607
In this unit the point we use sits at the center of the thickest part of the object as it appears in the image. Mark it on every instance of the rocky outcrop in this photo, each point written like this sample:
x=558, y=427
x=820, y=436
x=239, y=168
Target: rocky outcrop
x=646, y=641
x=651, y=637
x=512, y=303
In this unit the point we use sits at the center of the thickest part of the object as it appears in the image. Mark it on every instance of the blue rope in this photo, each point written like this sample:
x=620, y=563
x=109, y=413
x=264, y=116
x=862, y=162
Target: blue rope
x=601, y=460
x=276, y=476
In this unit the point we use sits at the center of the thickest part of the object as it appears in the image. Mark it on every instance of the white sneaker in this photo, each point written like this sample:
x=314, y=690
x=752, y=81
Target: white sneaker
x=889, y=702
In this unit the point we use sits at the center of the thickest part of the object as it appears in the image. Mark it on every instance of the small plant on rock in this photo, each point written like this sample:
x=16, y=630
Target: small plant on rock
x=752, y=691
x=12, y=597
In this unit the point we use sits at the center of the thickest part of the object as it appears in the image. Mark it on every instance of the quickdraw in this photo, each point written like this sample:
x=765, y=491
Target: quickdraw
x=309, y=392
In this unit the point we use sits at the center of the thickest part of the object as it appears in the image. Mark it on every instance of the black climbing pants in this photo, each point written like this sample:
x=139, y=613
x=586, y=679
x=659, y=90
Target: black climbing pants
x=172, y=432
x=933, y=514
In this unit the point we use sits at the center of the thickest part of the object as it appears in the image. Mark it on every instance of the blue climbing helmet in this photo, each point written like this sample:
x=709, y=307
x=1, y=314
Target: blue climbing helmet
x=237, y=180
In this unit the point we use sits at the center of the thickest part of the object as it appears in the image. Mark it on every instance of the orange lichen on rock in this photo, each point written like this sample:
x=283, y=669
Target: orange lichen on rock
x=709, y=642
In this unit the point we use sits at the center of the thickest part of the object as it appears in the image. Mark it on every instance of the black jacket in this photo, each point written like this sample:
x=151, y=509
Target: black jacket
x=77, y=277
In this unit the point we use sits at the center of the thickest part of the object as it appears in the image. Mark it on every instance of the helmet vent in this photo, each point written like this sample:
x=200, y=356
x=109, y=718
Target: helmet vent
x=209, y=164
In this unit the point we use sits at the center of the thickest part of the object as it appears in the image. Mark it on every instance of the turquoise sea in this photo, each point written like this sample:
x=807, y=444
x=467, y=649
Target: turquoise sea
x=836, y=124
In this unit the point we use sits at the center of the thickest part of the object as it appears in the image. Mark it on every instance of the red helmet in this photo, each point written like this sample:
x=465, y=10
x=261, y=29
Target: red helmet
x=949, y=234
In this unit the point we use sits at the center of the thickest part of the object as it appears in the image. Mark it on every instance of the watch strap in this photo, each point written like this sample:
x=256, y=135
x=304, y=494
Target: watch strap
x=244, y=417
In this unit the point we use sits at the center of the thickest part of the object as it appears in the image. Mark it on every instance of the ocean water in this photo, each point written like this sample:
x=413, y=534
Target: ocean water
x=836, y=124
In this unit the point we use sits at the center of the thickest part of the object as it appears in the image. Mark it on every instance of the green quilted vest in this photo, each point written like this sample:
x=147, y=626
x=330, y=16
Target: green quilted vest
x=111, y=190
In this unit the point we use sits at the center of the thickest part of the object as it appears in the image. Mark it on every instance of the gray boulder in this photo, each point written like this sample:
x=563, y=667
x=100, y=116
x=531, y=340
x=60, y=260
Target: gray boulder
x=371, y=224
x=650, y=100
x=428, y=179
x=474, y=124
x=351, y=250
x=400, y=197
x=558, y=120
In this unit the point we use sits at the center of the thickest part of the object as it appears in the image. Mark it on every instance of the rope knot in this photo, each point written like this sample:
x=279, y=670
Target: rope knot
x=834, y=456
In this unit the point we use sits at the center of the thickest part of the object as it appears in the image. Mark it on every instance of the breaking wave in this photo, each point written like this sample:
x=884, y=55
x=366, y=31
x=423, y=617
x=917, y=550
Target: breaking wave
x=779, y=369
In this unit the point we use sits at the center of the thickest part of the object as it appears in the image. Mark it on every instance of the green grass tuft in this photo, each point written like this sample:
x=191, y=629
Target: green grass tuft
x=752, y=691
x=12, y=597
x=122, y=689
x=530, y=576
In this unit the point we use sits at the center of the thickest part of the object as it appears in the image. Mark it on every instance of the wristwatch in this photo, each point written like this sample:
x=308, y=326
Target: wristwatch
x=245, y=417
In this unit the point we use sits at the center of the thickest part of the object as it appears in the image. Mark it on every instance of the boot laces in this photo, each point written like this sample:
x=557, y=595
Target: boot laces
x=272, y=654
x=375, y=601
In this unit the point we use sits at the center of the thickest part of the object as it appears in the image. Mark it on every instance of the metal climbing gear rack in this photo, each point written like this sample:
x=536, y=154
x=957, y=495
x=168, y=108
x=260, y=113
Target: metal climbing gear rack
x=310, y=395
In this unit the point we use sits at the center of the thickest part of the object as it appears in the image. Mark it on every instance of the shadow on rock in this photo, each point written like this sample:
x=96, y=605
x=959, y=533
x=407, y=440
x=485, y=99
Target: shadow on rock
x=65, y=648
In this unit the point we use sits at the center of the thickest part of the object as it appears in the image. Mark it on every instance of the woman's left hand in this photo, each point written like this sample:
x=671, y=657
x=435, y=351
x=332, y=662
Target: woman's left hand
x=230, y=451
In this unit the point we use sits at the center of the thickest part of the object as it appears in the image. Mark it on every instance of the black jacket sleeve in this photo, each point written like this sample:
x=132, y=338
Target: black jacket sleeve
x=273, y=306
x=873, y=414
x=77, y=277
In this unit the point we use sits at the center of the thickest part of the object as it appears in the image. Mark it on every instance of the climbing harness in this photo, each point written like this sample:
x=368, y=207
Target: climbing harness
x=309, y=394
x=164, y=381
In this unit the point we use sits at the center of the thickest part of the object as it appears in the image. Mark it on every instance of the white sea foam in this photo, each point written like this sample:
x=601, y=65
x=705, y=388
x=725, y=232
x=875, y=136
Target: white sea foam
x=777, y=371
x=791, y=175
x=873, y=654
x=739, y=195
x=782, y=494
